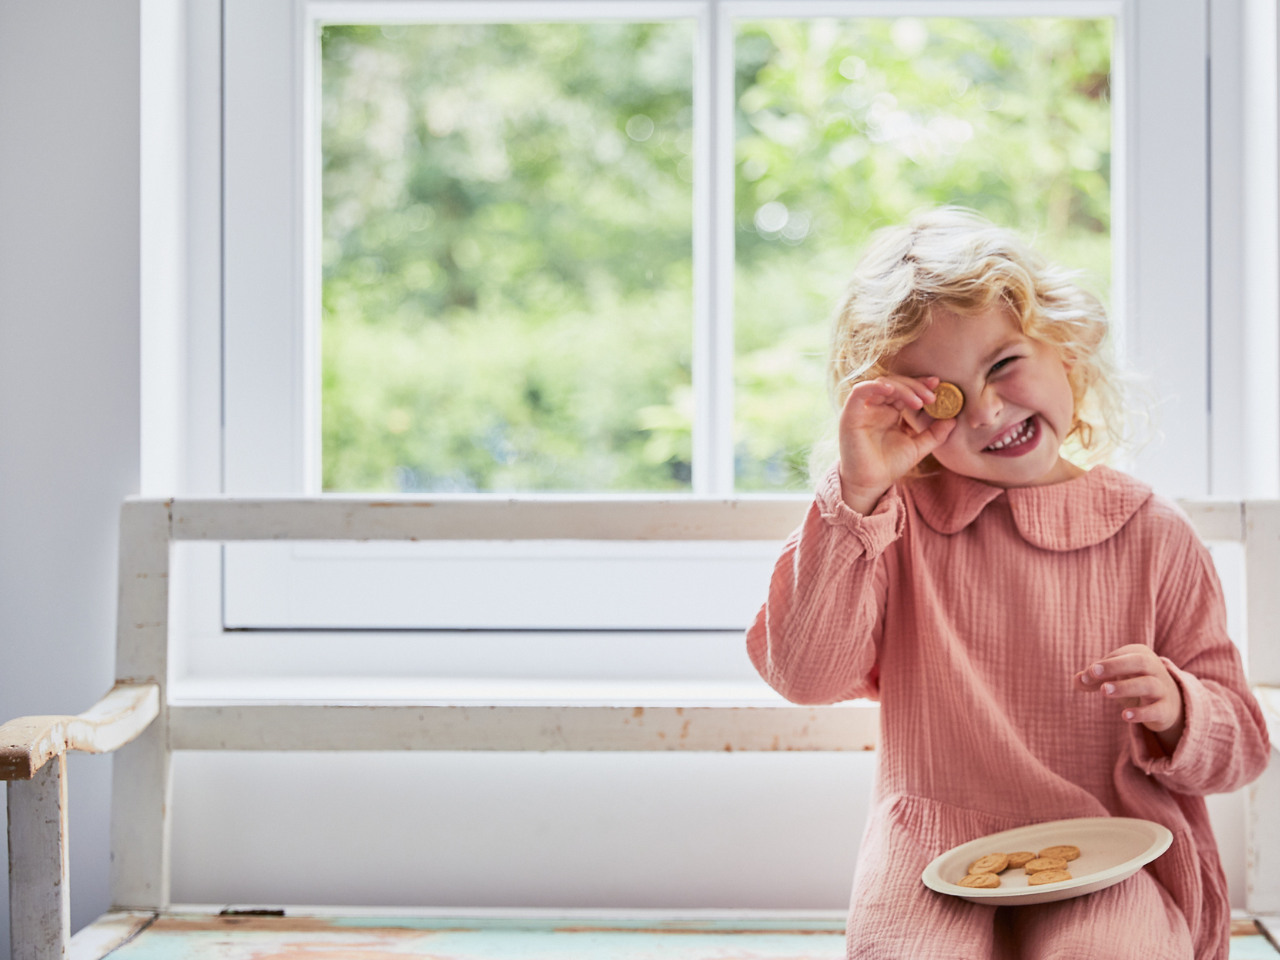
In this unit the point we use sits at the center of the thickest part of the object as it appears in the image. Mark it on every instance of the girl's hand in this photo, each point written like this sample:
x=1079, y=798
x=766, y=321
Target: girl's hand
x=1136, y=677
x=883, y=434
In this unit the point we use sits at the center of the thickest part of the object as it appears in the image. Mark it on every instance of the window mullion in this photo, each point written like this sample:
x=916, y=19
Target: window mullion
x=713, y=255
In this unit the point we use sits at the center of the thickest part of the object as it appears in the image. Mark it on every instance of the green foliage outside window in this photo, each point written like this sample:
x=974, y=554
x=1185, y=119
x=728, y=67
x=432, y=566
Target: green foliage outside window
x=843, y=127
x=507, y=228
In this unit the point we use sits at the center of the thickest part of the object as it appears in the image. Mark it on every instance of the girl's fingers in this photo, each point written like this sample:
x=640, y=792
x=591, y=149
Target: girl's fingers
x=934, y=436
x=1134, y=687
x=1155, y=715
x=912, y=392
x=1122, y=665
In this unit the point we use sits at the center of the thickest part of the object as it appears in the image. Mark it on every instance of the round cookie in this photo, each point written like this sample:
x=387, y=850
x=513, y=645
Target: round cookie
x=948, y=401
x=1063, y=852
x=1021, y=858
x=1040, y=864
x=1048, y=876
x=991, y=863
x=981, y=881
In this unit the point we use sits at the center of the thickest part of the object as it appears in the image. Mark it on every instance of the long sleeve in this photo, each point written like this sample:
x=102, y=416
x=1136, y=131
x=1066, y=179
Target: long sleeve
x=815, y=638
x=1224, y=744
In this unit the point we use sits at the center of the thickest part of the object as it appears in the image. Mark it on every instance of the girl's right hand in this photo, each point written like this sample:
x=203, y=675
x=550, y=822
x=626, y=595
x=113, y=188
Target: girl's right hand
x=883, y=434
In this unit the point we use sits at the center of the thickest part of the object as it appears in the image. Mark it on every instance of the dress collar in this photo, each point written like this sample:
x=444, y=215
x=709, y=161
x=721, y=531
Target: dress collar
x=1059, y=516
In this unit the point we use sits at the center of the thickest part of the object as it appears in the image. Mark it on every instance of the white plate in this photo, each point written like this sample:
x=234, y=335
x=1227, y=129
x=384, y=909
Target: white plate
x=1111, y=849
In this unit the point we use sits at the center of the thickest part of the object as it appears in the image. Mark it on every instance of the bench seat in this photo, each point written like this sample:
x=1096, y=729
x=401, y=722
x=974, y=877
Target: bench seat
x=210, y=933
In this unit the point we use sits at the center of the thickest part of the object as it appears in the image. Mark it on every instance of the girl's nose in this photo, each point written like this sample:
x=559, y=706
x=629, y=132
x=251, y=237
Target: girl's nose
x=983, y=408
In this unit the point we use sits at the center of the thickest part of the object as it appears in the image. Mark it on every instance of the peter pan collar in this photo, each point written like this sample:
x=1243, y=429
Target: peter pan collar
x=1059, y=516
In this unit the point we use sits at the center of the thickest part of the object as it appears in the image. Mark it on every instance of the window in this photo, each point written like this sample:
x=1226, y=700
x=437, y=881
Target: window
x=805, y=125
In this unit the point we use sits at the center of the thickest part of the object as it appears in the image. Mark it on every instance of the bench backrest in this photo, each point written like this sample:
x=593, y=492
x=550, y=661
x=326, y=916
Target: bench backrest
x=142, y=782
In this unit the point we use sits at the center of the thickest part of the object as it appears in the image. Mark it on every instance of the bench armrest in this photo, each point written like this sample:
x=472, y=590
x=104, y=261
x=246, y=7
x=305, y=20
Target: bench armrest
x=1269, y=699
x=27, y=743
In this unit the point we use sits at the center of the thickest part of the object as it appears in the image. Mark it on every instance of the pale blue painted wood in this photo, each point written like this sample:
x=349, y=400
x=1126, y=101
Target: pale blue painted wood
x=250, y=938
x=205, y=937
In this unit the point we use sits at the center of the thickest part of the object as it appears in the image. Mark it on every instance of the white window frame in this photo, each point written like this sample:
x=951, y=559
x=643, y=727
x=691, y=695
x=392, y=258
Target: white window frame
x=1160, y=292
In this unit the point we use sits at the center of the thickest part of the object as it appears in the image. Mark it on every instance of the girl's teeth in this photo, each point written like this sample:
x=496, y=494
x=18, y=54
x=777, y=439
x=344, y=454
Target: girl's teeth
x=1018, y=436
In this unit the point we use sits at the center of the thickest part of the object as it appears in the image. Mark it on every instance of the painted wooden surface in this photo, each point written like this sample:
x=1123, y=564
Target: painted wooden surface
x=1262, y=823
x=549, y=517
x=27, y=743
x=141, y=785
x=485, y=517
x=1262, y=590
x=203, y=936
x=106, y=933
x=39, y=893
x=302, y=726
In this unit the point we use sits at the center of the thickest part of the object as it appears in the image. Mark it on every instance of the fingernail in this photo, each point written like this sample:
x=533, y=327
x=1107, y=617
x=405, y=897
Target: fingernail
x=1097, y=669
x=1109, y=687
x=1128, y=714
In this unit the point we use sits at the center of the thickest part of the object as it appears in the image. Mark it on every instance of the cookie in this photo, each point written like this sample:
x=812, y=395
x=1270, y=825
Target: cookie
x=1040, y=864
x=947, y=402
x=1021, y=858
x=981, y=881
x=1048, y=876
x=991, y=863
x=1064, y=852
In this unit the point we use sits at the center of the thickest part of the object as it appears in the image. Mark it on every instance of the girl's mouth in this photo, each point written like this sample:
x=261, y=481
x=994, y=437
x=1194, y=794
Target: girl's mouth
x=1017, y=441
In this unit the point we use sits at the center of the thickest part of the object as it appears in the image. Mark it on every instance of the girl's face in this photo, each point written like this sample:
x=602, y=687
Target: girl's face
x=1017, y=400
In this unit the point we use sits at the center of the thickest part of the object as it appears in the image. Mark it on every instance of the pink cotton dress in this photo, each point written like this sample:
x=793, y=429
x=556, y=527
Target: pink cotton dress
x=967, y=609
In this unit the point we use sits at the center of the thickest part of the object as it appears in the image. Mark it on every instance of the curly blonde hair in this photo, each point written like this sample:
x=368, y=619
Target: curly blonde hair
x=957, y=258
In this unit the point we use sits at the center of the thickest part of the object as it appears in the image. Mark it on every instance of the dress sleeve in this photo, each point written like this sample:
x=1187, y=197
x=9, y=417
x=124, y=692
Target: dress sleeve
x=815, y=638
x=1224, y=744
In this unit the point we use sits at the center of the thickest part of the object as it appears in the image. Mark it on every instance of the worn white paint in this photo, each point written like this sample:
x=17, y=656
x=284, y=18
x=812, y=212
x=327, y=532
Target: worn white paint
x=1262, y=567
x=106, y=933
x=496, y=517
x=484, y=517
x=140, y=784
x=39, y=883
x=1262, y=830
x=27, y=743
x=307, y=726
x=140, y=829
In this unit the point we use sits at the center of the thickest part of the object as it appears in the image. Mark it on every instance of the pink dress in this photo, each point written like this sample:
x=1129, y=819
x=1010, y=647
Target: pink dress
x=966, y=610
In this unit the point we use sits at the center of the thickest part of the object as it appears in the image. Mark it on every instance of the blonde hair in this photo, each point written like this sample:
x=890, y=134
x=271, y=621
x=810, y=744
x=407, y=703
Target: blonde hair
x=957, y=258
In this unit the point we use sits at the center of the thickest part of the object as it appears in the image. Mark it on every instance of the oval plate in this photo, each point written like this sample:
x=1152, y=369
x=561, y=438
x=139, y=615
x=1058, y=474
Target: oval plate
x=1111, y=849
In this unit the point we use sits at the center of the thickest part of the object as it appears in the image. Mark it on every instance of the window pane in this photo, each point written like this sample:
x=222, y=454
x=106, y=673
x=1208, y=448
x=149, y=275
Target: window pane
x=845, y=126
x=507, y=245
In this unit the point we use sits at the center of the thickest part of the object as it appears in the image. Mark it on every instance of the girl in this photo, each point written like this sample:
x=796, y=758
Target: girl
x=1045, y=642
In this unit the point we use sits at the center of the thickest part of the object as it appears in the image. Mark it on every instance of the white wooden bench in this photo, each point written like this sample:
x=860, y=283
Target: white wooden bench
x=138, y=722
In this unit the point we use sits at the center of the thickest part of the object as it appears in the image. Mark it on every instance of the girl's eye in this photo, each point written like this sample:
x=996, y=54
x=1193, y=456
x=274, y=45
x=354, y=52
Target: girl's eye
x=1002, y=363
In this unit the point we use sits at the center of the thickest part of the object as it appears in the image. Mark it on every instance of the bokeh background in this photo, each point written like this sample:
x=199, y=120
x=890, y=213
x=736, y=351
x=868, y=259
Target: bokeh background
x=507, y=228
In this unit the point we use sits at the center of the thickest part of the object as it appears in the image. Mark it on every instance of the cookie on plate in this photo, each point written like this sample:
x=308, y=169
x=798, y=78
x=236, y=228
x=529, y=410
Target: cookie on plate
x=1063, y=851
x=991, y=863
x=1040, y=864
x=981, y=881
x=1048, y=876
x=1021, y=858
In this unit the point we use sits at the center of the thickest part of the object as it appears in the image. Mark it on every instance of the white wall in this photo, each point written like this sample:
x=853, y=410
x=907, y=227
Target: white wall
x=69, y=409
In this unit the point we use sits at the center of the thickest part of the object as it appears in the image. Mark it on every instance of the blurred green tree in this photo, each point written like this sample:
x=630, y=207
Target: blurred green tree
x=507, y=227
x=846, y=126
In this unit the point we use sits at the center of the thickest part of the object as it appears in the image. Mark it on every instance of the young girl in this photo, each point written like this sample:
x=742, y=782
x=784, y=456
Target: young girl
x=1045, y=642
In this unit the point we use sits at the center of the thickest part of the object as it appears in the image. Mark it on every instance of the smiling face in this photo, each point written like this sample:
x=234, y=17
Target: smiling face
x=1018, y=406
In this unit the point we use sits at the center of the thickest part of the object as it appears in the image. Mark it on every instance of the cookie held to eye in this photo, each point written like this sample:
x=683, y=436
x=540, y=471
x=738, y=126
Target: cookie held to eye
x=981, y=881
x=947, y=402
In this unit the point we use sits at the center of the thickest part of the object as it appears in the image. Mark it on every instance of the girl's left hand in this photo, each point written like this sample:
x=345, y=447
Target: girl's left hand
x=1134, y=675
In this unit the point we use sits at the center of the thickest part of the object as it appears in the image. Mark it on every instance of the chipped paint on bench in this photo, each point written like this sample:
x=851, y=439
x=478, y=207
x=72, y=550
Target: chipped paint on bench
x=195, y=937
